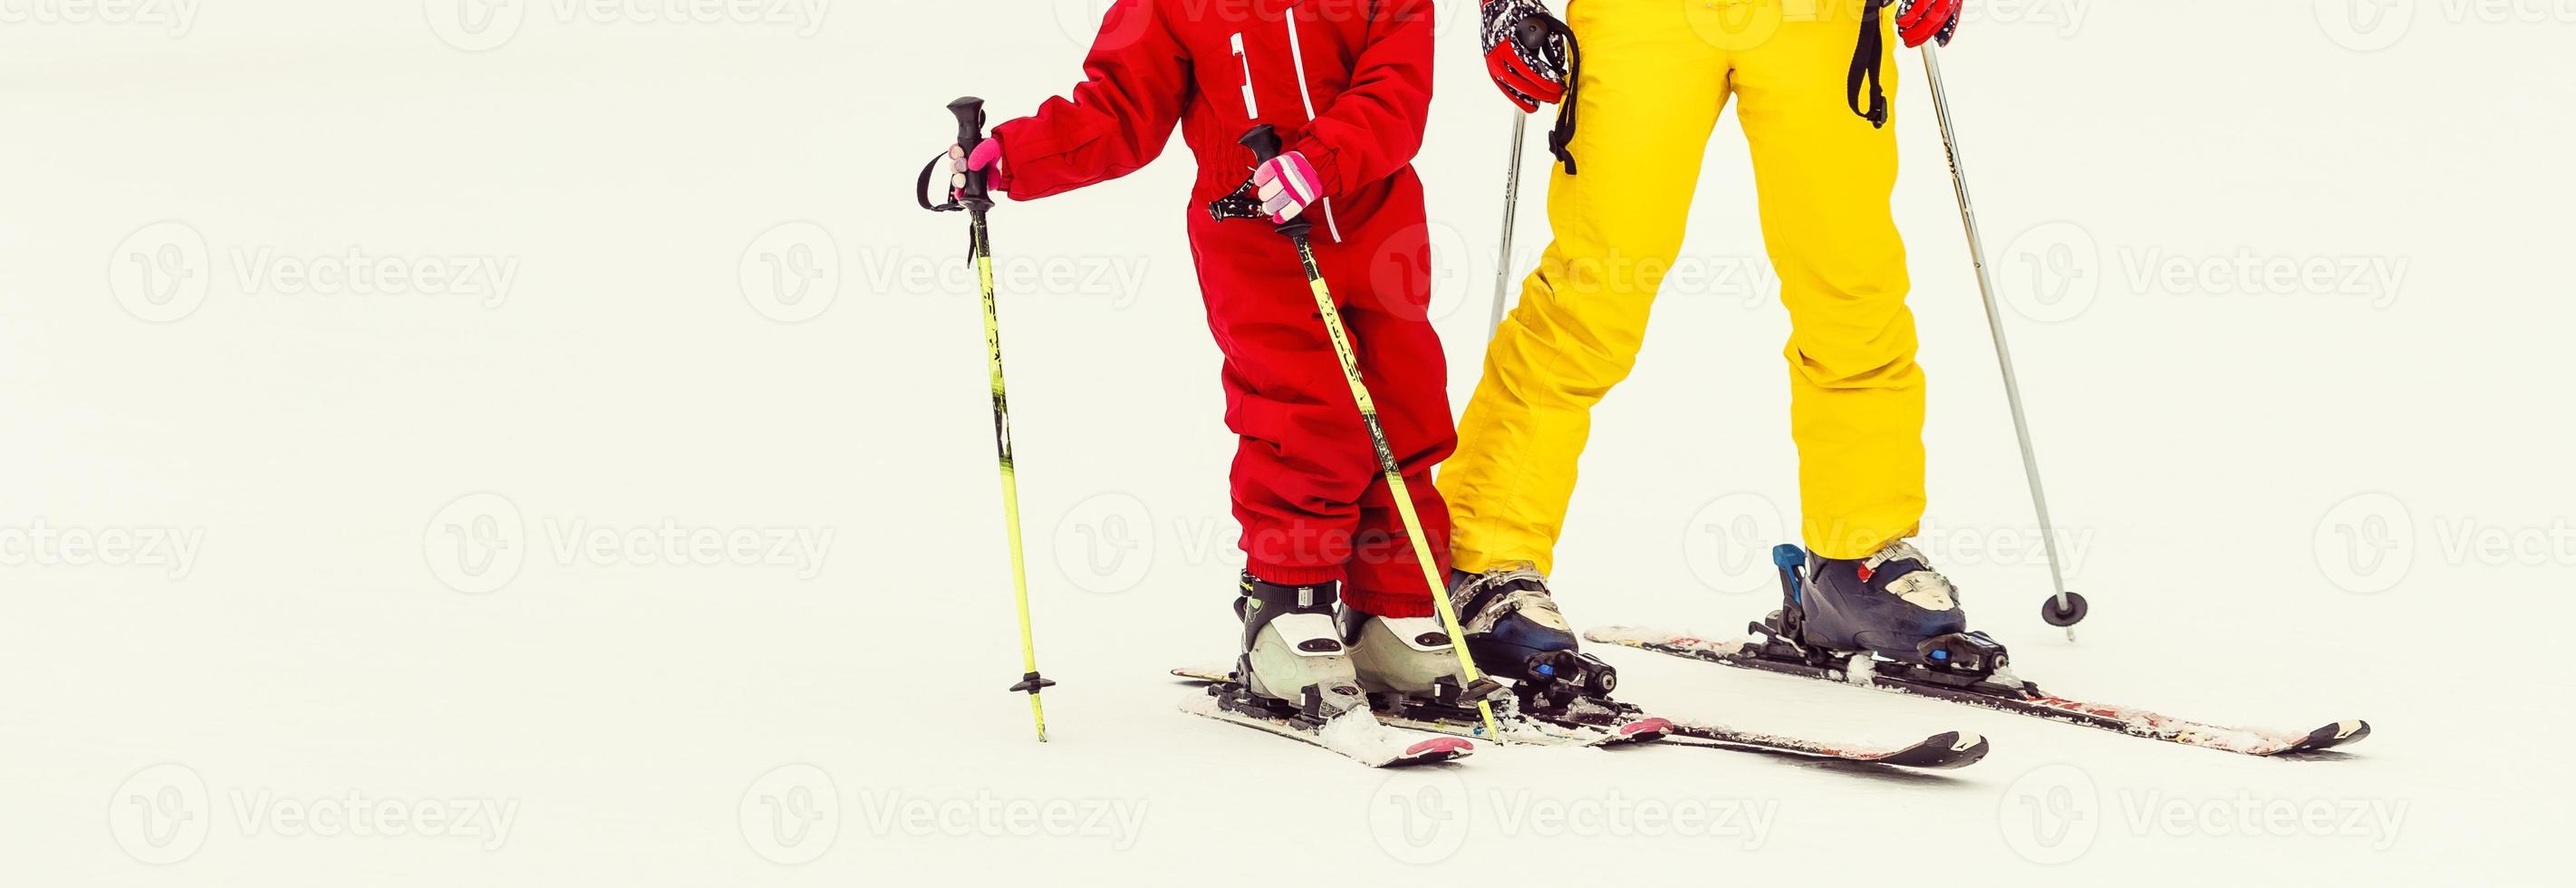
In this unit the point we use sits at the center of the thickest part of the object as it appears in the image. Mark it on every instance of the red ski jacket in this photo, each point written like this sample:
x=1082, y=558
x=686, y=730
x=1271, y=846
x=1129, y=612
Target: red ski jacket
x=1346, y=82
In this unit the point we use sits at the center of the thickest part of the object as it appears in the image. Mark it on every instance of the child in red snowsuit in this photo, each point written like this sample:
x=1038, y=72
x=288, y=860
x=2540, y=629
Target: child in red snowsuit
x=1347, y=85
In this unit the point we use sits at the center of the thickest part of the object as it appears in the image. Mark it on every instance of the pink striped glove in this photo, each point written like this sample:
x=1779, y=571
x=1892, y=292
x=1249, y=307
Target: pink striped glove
x=1286, y=186
x=987, y=158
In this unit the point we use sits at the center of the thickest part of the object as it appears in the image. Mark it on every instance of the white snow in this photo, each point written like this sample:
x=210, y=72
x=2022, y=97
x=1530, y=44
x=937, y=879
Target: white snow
x=2292, y=322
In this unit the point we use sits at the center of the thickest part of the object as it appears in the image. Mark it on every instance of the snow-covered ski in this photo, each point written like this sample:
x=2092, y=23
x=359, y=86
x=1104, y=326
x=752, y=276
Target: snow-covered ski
x=1601, y=723
x=1998, y=691
x=1464, y=722
x=1356, y=734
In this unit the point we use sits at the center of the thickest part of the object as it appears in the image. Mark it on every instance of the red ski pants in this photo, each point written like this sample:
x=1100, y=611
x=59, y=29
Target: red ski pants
x=1307, y=488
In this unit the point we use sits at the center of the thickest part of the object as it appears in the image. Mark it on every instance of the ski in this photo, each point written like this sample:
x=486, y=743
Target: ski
x=1428, y=716
x=1595, y=722
x=1356, y=734
x=1766, y=652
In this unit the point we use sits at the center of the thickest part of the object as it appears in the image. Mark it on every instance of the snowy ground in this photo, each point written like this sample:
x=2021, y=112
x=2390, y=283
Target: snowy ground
x=289, y=560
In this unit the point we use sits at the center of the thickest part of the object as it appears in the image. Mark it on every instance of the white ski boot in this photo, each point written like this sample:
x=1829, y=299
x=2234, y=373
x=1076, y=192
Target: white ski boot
x=1405, y=656
x=1292, y=663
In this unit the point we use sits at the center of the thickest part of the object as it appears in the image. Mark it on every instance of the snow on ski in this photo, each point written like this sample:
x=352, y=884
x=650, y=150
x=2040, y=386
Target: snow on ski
x=2015, y=696
x=1517, y=728
x=1604, y=723
x=1355, y=734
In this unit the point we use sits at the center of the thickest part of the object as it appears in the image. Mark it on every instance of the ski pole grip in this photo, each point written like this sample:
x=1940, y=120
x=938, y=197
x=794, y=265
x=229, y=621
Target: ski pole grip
x=1264, y=142
x=1530, y=35
x=970, y=133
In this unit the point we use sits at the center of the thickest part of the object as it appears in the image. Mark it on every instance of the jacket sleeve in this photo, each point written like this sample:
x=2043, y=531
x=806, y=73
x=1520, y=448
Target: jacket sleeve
x=1373, y=128
x=1114, y=122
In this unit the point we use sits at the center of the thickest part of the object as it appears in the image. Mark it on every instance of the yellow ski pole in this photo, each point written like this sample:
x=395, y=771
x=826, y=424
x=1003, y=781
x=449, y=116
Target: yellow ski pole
x=975, y=198
x=1264, y=143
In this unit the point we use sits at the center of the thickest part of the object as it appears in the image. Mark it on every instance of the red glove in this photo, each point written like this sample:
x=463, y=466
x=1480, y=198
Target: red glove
x=1530, y=70
x=1921, y=20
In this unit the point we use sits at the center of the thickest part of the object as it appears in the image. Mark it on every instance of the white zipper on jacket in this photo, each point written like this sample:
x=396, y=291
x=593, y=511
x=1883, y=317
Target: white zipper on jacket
x=1297, y=58
x=1251, y=105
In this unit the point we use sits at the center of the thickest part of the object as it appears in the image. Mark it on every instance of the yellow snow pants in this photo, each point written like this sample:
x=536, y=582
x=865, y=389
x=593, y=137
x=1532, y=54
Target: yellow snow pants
x=1655, y=74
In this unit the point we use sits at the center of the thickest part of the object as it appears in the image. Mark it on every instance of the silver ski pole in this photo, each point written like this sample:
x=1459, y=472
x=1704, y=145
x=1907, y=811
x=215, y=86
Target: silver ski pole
x=2064, y=609
x=1511, y=212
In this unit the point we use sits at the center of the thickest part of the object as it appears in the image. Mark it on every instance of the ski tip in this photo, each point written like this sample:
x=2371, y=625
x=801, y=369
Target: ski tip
x=1646, y=728
x=2342, y=733
x=1437, y=749
x=1942, y=751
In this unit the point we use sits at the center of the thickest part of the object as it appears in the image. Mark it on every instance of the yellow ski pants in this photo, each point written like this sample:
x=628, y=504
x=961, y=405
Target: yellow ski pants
x=1655, y=74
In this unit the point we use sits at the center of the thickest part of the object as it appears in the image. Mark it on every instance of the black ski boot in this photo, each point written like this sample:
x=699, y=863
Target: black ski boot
x=1514, y=631
x=1293, y=664
x=1891, y=603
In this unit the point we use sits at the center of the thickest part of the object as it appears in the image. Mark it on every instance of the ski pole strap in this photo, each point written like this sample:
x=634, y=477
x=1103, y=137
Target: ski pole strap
x=1865, y=67
x=921, y=189
x=1560, y=140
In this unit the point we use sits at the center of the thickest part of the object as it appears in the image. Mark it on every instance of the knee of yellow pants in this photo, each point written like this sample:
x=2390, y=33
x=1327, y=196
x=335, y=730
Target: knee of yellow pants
x=1880, y=360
